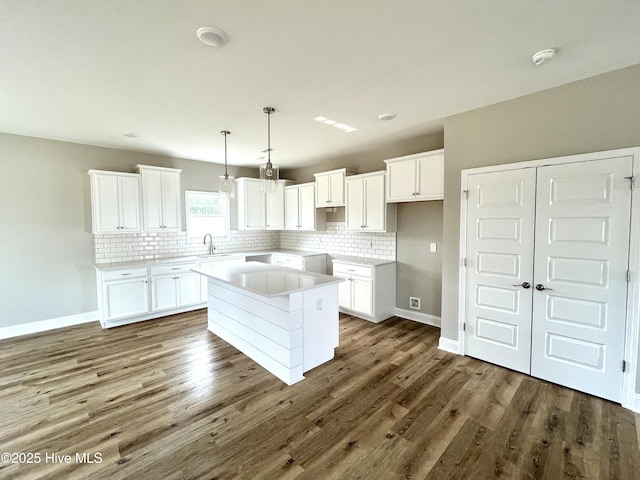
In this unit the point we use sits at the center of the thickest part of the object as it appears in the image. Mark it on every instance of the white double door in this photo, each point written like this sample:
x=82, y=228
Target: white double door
x=547, y=263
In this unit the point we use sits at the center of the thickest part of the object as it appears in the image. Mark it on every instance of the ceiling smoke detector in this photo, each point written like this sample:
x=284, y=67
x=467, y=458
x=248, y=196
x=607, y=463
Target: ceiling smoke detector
x=214, y=37
x=543, y=56
x=386, y=116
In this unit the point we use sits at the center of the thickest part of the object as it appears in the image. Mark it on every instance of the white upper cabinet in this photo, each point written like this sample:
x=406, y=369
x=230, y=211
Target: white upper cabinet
x=300, y=210
x=416, y=177
x=251, y=204
x=275, y=207
x=115, y=202
x=160, y=198
x=330, y=188
x=366, y=208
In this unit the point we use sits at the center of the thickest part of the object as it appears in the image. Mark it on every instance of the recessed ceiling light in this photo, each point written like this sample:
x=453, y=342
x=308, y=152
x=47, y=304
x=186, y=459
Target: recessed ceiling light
x=131, y=134
x=543, y=56
x=214, y=37
x=386, y=116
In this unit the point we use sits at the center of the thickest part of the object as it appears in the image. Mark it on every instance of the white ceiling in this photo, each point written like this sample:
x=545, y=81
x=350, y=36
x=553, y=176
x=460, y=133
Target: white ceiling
x=87, y=71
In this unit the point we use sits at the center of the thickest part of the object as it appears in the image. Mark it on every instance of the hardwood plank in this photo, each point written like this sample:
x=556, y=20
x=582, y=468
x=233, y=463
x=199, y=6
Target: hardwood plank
x=167, y=399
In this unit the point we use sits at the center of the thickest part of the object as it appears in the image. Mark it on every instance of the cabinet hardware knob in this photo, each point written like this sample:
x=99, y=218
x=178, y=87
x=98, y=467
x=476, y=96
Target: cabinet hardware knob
x=125, y=274
x=541, y=287
x=523, y=285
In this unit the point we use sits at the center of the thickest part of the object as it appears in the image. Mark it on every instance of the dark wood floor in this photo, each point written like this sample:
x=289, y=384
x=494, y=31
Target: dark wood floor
x=166, y=399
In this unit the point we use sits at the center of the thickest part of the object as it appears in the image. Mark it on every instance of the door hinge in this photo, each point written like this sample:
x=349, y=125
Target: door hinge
x=628, y=276
x=464, y=327
x=633, y=182
x=624, y=366
x=466, y=194
x=464, y=262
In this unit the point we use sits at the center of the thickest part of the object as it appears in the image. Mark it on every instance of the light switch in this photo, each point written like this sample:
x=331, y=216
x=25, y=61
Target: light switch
x=433, y=248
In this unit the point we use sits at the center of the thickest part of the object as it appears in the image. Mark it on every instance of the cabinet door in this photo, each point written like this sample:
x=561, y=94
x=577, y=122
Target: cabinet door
x=291, y=218
x=362, y=300
x=307, y=206
x=336, y=187
x=170, y=186
x=401, y=180
x=188, y=289
x=430, y=181
x=125, y=298
x=163, y=293
x=152, y=199
x=323, y=197
x=344, y=291
x=254, y=204
x=106, y=216
x=275, y=208
x=129, y=204
x=374, y=204
x=354, y=214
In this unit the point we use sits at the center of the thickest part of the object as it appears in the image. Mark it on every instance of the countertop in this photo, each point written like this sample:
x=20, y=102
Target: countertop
x=266, y=280
x=105, y=267
x=368, y=262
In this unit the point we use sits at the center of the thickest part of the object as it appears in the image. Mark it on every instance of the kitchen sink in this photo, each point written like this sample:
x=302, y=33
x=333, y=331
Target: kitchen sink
x=214, y=255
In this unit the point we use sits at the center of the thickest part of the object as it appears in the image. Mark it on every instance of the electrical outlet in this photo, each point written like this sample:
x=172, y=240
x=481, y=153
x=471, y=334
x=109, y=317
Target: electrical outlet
x=319, y=303
x=433, y=248
x=414, y=302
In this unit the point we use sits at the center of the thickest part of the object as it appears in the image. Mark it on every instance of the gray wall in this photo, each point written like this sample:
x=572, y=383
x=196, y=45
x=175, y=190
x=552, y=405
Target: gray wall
x=599, y=113
x=46, y=245
x=419, y=272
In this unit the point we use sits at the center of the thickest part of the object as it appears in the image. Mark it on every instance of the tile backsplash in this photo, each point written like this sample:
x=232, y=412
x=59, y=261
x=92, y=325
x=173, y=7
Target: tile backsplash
x=337, y=240
x=334, y=240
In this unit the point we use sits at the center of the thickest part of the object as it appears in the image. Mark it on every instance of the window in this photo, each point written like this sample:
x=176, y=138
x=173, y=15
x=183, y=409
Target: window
x=207, y=212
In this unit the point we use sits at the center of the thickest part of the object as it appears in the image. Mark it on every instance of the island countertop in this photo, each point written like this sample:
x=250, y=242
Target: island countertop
x=265, y=279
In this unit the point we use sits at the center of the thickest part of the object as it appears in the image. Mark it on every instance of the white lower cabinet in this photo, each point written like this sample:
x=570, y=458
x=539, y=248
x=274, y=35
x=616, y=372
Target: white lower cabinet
x=125, y=298
x=369, y=290
x=310, y=263
x=174, y=286
x=131, y=295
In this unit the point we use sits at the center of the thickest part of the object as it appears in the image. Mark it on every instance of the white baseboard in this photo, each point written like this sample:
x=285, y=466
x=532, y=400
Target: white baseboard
x=448, y=345
x=44, y=325
x=418, y=317
x=636, y=403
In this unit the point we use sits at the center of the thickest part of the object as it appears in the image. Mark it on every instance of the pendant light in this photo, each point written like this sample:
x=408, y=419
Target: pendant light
x=269, y=173
x=226, y=184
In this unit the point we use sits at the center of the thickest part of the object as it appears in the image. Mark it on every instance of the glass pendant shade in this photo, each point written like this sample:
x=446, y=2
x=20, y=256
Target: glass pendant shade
x=226, y=183
x=227, y=186
x=269, y=173
x=269, y=176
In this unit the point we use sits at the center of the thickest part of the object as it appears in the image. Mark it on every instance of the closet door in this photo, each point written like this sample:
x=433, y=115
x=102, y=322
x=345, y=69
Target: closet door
x=500, y=222
x=580, y=283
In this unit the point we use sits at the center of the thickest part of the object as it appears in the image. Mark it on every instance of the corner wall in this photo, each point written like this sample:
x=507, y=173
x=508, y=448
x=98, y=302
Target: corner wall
x=418, y=271
x=599, y=113
x=46, y=244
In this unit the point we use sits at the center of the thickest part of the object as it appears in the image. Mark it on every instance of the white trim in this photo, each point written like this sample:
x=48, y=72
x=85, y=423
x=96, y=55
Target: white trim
x=419, y=317
x=449, y=345
x=45, y=325
x=630, y=399
x=629, y=395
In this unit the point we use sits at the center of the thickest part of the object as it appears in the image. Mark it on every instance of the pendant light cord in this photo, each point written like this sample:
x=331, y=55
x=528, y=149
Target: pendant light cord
x=225, y=133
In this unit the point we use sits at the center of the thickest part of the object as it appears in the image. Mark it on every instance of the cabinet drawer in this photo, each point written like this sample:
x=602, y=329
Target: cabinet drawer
x=288, y=261
x=124, y=274
x=169, y=269
x=349, y=269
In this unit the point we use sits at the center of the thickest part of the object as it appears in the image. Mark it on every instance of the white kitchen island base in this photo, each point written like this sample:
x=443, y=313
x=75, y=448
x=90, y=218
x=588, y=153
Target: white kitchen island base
x=289, y=327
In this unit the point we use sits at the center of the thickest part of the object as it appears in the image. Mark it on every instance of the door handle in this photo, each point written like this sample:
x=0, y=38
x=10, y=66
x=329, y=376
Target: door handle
x=523, y=285
x=541, y=287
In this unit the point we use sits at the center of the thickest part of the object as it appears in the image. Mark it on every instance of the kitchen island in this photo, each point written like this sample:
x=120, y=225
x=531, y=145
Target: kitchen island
x=286, y=320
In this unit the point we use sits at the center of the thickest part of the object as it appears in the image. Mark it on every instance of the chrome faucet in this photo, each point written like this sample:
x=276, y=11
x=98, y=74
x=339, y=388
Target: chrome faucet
x=212, y=247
